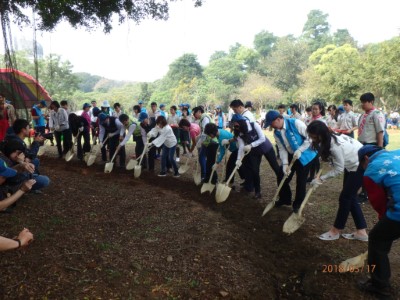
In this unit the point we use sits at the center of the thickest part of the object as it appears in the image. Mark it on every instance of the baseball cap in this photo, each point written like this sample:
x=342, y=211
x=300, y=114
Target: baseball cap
x=43, y=103
x=367, y=150
x=6, y=171
x=86, y=105
x=237, y=118
x=248, y=104
x=140, y=102
x=162, y=105
x=102, y=117
x=271, y=116
x=143, y=116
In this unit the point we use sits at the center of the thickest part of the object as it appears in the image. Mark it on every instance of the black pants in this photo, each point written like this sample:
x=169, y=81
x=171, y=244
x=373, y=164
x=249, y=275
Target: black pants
x=113, y=143
x=380, y=242
x=148, y=159
x=86, y=143
x=67, y=141
x=93, y=129
x=301, y=183
x=230, y=165
x=211, y=153
x=251, y=171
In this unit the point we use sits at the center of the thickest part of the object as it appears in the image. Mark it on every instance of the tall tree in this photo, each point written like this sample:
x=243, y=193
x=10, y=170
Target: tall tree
x=249, y=58
x=264, y=42
x=226, y=70
x=316, y=30
x=184, y=68
x=342, y=36
x=217, y=55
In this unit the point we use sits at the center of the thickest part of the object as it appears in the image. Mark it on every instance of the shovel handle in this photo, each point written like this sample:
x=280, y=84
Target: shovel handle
x=310, y=191
x=235, y=169
x=115, y=154
x=286, y=176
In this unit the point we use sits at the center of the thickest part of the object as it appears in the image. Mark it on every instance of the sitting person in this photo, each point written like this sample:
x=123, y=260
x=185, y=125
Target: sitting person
x=14, y=157
x=23, y=239
x=7, y=201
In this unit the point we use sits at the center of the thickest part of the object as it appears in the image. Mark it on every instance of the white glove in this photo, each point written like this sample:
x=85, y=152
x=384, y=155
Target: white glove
x=238, y=163
x=57, y=128
x=215, y=167
x=80, y=129
x=149, y=145
x=286, y=169
x=316, y=182
x=225, y=142
x=247, y=148
x=297, y=154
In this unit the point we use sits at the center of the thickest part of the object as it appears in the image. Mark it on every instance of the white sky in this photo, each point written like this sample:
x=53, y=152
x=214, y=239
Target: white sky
x=143, y=52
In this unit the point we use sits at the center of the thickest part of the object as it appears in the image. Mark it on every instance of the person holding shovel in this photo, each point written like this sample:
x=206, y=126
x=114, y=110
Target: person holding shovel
x=293, y=143
x=133, y=130
x=341, y=151
x=145, y=128
x=59, y=119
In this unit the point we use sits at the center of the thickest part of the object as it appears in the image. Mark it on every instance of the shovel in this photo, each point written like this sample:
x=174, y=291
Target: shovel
x=109, y=166
x=272, y=203
x=223, y=190
x=197, y=174
x=353, y=263
x=132, y=163
x=295, y=220
x=208, y=186
x=184, y=168
x=93, y=153
x=138, y=168
x=42, y=149
x=71, y=152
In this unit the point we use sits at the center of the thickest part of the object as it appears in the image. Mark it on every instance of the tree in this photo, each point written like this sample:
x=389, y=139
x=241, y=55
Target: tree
x=248, y=57
x=226, y=70
x=217, y=55
x=184, y=68
x=233, y=50
x=341, y=37
x=316, y=30
x=87, y=81
x=89, y=14
x=264, y=42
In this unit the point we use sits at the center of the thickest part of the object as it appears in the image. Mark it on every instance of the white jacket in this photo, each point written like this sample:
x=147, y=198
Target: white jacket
x=165, y=136
x=344, y=155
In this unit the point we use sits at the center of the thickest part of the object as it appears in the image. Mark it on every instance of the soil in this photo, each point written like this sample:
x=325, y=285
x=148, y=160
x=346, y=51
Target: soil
x=111, y=236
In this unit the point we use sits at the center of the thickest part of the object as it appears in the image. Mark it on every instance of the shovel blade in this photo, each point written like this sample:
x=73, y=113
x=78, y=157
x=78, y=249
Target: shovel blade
x=137, y=171
x=69, y=155
x=293, y=223
x=183, y=169
x=91, y=160
x=353, y=263
x=131, y=164
x=197, y=178
x=108, y=168
x=42, y=150
x=268, y=208
x=223, y=193
x=207, y=187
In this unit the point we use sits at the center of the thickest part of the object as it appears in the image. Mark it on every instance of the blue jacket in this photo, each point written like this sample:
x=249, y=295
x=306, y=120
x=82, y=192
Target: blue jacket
x=225, y=135
x=39, y=122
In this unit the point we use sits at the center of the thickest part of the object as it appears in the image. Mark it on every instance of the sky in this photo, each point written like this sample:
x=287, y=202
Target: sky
x=143, y=52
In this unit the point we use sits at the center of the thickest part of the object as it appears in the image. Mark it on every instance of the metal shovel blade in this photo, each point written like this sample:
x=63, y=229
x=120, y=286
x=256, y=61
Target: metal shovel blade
x=69, y=155
x=293, y=223
x=131, y=164
x=222, y=193
x=197, y=178
x=137, y=171
x=207, y=187
x=268, y=208
x=184, y=168
x=42, y=150
x=353, y=263
x=91, y=159
x=108, y=168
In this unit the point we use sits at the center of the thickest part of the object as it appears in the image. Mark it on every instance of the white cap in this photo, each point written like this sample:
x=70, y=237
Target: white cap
x=105, y=104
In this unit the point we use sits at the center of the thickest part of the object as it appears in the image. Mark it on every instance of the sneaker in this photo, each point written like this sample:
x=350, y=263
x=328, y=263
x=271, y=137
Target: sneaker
x=368, y=286
x=353, y=236
x=327, y=236
x=177, y=159
x=162, y=174
x=177, y=175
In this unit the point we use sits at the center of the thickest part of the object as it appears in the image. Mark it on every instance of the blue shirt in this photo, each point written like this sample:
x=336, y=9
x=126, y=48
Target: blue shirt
x=225, y=135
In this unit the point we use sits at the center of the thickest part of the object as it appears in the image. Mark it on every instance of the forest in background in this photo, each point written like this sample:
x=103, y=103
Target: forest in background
x=319, y=64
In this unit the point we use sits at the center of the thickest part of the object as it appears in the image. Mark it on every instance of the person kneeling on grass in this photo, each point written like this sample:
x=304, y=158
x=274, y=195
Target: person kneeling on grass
x=5, y=200
x=342, y=151
x=166, y=139
x=382, y=183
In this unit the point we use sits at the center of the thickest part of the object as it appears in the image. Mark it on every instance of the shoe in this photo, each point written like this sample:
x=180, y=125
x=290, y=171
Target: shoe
x=282, y=202
x=327, y=236
x=353, y=236
x=296, y=210
x=177, y=175
x=257, y=196
x=369, y=287
x=162, y=174
x=177, y=159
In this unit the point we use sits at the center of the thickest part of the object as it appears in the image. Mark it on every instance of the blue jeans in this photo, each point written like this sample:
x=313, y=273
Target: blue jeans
x=168, y=154
x=41, y=181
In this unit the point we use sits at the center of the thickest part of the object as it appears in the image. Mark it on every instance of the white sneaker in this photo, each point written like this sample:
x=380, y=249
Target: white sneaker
x=177, y=159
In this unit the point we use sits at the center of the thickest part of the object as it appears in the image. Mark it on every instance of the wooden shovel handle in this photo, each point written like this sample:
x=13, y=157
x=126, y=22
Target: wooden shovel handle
x=310, y=191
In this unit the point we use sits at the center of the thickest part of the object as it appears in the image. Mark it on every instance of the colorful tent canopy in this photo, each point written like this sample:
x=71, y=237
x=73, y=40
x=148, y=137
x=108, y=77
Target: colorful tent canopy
x=22, y=89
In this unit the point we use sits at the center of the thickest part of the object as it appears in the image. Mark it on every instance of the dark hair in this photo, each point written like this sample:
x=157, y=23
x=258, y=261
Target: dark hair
x=336, y=111
x=173, y=107
x=321, y=107
x=153, y=103
x=348, y=101
x=137, y=107
x=184, y=122
x=211, y=128
x=122, y=118
x=242, y=128
x=367, y=97
x=161, y=121
x=198, y=109
x=320, y=129
x=236, y=103
x=64, y=102
x=55, y=103
x=93, y=101
x=19, y=124
x=13, y=145
x=296, y=107
x=308, y=109
x=281, y=106
x=185, y=109
x=116, y=105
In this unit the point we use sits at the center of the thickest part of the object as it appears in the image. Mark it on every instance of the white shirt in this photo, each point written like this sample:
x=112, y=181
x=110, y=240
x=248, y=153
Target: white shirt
x=93, y=119
x=165, y=136
x=261, y=139
x=249, y=115
x=344, y=155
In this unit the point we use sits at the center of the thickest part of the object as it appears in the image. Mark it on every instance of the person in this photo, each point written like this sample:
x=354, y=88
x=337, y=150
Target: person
x=24, y=238
x=80, y=127
x=173, y=121
x=347, y=121
x=163, y=112
x=6, y=200
x=238, y=108
x=117, y=110
x=59, y=121
x=342, y=152
x=142, y=109
x=115, y=130
x=371, y=124
x=64, y=105
x=93, y=122
x=164, y=137
x=382, y=183
x=293, y=143
x=296, y=113
x=193, y=131
x=308, y=115
x=105, y=108
x=38, y=118
x=332, y=117
x=145, y=128
x=134, y=130
x=282, y=110
x=220, y=117
x=394, y=118
x=7, y=117
x=136, y=112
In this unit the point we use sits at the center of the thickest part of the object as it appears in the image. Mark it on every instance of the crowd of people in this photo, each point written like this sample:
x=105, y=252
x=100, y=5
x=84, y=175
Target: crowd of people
x=302, y=141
